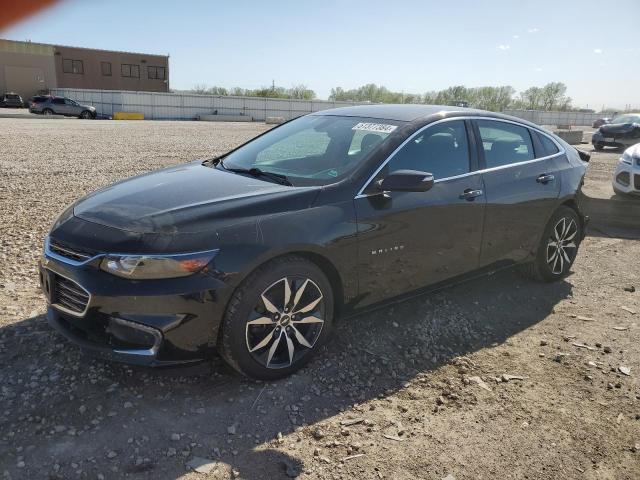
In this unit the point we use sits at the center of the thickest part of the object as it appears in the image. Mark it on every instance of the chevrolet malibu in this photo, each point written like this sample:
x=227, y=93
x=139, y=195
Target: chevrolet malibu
x=256, y=253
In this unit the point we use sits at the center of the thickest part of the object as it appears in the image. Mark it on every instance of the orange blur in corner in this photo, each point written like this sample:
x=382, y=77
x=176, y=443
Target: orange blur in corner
x=15, y=10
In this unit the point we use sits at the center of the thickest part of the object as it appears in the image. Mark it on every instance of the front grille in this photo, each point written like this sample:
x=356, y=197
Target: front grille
x=69, y=296
x=636, y=182
x=66, y=251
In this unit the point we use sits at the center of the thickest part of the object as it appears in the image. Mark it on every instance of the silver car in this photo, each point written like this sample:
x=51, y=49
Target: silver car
x=47, y=105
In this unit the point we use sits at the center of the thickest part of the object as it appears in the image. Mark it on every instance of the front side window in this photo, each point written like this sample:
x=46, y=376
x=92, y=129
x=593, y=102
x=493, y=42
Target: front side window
x=442, y=150
x=504, y=143
x=626, y=119
x=313, y=150
x=68, y=101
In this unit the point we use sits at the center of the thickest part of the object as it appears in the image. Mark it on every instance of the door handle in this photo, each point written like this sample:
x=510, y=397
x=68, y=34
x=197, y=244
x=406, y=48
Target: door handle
x=545, y=178
x=469, y=194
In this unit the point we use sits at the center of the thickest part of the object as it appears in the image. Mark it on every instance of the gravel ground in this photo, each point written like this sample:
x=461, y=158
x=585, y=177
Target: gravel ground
x=494, y=378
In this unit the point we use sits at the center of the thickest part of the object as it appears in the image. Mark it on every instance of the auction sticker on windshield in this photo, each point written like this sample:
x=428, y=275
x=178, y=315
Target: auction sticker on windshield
x=375, y=127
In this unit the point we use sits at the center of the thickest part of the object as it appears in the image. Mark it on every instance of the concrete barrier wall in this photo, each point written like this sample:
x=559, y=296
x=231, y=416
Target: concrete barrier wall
x=183, y=106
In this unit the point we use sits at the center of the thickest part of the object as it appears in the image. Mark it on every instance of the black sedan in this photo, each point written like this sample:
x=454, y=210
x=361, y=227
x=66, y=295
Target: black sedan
x=256, y=253
x=622, y=132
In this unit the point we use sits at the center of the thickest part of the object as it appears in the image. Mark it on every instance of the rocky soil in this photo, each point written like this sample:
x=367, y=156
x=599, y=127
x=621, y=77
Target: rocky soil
x=495, y=378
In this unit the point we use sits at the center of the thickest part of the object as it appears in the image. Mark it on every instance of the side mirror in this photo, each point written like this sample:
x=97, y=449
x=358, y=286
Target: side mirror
x=406, y=181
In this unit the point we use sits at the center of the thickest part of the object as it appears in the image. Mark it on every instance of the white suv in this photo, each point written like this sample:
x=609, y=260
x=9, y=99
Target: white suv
x=626, y=179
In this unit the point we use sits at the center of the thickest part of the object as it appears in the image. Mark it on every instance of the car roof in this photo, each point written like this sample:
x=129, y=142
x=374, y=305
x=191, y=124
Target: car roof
x=406, y=112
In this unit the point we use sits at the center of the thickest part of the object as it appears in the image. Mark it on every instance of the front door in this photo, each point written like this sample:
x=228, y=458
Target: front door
x=408, y=240
x=521, y=191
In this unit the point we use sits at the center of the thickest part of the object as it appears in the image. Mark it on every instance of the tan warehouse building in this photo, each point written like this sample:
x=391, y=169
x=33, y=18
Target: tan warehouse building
x=27, y=68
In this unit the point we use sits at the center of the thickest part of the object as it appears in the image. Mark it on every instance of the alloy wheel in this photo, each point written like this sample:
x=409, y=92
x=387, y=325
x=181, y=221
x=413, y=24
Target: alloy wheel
x=286, y=323
x=561, y=246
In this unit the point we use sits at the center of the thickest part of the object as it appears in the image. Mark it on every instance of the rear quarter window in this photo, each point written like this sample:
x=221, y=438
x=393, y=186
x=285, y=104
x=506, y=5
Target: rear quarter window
x=548, y=146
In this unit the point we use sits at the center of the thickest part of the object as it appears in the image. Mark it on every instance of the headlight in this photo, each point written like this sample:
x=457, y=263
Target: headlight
x=626, y=158
x=145, y=267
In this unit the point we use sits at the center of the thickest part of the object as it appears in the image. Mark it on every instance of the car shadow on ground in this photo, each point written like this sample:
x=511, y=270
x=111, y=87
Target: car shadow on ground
x=63, y=411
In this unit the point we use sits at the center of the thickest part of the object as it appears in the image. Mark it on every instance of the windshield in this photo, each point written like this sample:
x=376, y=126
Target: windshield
x=313, y=150
x=627, y=119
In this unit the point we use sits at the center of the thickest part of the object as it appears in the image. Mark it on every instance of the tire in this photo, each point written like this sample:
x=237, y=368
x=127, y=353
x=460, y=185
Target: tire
x=86, y=114
x=547, y=267
x=258, y=333
x=598, y=147
x=47, y=111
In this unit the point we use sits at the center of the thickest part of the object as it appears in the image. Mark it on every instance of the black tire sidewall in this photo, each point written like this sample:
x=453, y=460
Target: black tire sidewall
x=233, y=337
x=541, y=259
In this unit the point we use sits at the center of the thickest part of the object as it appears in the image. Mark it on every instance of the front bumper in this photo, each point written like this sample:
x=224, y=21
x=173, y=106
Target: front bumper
x=618, y=141
x=626, y=178
x=151, y=322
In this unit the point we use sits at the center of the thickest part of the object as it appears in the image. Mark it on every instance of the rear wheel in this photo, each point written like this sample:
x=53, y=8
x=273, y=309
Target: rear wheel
x=598, y=147
x=558, y=247
x=277, y=319
x=47, y=111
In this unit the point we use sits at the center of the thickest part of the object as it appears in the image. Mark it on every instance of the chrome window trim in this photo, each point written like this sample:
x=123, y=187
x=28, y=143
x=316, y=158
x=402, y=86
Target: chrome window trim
x=561, y=151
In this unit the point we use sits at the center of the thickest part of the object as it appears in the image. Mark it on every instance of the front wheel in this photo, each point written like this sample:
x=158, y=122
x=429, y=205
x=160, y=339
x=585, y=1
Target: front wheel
x=598, y=147
x=558, y=247
x=86, y=115
x=277, y=319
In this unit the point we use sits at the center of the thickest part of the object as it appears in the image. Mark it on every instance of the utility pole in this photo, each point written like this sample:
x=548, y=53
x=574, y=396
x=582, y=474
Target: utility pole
x=273, y=85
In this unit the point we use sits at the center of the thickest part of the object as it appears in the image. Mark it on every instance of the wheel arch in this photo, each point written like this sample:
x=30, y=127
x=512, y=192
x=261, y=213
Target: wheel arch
x=321, y=261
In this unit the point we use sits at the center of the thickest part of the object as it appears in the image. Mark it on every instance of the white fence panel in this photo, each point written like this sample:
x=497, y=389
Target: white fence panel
x=186, y=106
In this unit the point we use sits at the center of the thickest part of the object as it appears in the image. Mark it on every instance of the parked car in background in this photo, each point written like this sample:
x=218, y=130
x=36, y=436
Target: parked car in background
x=601, y=121
x=626, y=179
x=257, y=251
x=622, y=132
x=11, y=100
x=49, y=105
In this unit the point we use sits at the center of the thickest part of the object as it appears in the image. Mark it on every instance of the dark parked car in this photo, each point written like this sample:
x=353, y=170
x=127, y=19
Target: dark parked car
x=11, y=100
x=601, y=121
x=257, y=252
x=622, y=132
x=49, y=105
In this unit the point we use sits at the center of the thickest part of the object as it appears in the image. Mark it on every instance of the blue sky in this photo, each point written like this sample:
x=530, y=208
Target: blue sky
x=409, y=45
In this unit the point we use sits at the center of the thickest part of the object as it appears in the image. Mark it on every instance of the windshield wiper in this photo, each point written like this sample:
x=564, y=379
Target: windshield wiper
x=256, y=172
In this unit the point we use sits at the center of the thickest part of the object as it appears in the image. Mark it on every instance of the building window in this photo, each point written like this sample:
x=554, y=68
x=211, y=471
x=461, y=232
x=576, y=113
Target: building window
x=132, y=71
x=157, y=73
x=72, y=66
x=106, y=68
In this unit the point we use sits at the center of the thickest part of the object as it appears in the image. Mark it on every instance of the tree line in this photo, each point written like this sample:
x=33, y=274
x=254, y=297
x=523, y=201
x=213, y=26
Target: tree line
x=551, y=96
x=297, y=92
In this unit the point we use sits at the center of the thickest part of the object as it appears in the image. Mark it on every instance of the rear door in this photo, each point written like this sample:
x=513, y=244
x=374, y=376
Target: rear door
x=59, y=106
x=521, y=190
x=408, y=240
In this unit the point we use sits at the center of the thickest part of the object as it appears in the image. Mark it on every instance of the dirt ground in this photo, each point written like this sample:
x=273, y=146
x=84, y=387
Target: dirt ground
x=495, y=378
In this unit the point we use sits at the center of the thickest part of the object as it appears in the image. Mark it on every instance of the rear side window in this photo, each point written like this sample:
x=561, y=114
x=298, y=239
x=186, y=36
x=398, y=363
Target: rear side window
x=58, y=101
x=441, y=150
x=548, y=146
x=504, y=143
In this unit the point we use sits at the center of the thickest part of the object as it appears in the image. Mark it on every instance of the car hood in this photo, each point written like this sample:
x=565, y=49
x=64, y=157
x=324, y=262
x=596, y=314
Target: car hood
x=618, y=128
x=633, y=151
x=189, y=198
